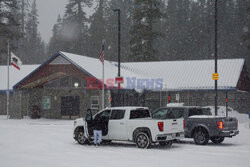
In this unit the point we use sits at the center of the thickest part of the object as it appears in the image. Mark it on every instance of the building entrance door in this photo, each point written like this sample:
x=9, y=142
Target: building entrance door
x=70, y=106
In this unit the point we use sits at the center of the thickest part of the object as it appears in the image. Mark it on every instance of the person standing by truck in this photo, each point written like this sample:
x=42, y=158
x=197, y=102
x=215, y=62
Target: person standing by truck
x=97, y=130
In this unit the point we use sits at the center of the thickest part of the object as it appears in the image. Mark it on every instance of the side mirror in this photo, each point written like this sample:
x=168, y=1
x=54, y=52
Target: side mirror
x=88, y=116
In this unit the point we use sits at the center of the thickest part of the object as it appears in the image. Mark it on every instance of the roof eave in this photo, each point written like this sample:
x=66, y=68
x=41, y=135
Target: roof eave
x=37, y=69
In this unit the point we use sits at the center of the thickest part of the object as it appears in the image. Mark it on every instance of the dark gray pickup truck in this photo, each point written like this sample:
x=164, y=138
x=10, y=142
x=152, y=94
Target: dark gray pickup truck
x=200, y=125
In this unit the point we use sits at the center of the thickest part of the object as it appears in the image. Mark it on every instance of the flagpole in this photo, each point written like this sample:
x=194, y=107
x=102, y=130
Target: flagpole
x=103, y=85
x=8, y=79
x=102, y=61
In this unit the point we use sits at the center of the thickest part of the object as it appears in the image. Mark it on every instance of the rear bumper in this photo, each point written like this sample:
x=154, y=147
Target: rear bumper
x=170, y=136
x=229, y=133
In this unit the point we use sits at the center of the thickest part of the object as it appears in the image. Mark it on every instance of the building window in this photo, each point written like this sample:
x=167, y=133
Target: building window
x=51, y=84
x=84, y=83
x=46, y=102
x=65, y=82
x=94, y=102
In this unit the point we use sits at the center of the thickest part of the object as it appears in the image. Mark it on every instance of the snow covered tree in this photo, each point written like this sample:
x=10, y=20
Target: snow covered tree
x=143, y=33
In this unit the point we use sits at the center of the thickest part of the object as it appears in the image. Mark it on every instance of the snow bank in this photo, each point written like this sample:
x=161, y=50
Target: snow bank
x=204, y=116
x=175, y=105
x=231, y=113
x=2, y=117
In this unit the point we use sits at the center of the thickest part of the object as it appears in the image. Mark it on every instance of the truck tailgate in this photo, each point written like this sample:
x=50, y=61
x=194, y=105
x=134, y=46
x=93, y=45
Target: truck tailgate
x=173, y=125
x=230, y=123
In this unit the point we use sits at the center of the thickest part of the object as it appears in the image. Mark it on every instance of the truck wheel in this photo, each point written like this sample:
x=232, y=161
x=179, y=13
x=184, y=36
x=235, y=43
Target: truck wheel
x=142, y=140
x=166, y=143
x=201, y=137
x=217, y=140
x=80, y=138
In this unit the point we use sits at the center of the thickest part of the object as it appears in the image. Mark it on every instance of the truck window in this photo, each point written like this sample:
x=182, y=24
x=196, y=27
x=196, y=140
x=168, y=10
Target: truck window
x=161, y=113
x=139, y=113
x=177, y=112
x=199, y=111
x=167, y=113
x=104, y=115
x=117, y=114
x=206, y=111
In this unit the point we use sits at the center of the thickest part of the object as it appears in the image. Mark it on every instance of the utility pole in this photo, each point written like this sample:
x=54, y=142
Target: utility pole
x=119, y=51
x=8, y=80
x=215, y=55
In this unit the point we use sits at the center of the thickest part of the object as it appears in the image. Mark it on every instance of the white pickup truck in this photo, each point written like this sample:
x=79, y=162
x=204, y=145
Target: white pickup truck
x=133, y=124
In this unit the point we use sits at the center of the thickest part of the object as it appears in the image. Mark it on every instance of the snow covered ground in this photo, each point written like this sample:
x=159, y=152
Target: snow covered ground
x=49, y=143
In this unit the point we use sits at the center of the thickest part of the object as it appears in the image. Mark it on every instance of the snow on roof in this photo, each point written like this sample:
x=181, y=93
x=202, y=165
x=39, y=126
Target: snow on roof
x=176, y=75
x=15, y=75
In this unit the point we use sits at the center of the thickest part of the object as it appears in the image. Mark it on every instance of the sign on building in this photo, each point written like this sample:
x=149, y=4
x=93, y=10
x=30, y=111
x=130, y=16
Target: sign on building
x=46, y=102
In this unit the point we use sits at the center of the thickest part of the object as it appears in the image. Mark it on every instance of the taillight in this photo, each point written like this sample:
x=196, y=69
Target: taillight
x=184, y=125
x=237, y=124
x=220, y=125
x=160, y=126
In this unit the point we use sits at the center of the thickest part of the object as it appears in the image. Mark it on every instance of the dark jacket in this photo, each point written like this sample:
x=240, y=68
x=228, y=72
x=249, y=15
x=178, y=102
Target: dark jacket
x=98, y=123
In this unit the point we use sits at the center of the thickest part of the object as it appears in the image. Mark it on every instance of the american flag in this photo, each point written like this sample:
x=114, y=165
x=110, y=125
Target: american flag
x=102, y=54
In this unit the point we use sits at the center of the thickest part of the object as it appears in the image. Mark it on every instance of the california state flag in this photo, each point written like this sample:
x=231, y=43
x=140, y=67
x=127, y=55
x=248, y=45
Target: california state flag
x=15, y=61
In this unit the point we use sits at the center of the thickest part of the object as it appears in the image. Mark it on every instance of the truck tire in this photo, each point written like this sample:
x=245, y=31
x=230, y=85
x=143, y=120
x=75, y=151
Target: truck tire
x=166, y=143
x=201, y=136
x=217, y=140
x=80, y=138
x=142, y=140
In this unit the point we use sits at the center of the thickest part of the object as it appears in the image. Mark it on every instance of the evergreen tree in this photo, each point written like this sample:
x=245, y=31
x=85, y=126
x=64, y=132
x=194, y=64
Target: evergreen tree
x=56, y=40
x=33, y=45
x=9, y=27
x=178, y=31
x=75, y=26
x=126, y=7
x=97, y=30
x=143, y=34
x=242, y=27
x=24, y=6
x=186, y=28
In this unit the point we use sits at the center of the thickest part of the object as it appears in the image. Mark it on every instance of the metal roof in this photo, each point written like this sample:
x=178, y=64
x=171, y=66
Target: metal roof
x=175, y=75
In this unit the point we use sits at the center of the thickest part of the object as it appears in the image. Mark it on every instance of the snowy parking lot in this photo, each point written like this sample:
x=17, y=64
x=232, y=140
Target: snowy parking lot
x=40, y=143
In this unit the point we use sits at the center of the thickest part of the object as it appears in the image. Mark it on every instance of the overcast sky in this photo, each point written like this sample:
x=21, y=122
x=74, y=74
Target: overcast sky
x=48, y=11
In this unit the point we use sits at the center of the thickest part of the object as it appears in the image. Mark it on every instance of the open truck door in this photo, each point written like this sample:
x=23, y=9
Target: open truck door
x=89, y=122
